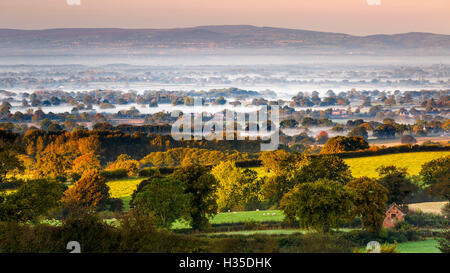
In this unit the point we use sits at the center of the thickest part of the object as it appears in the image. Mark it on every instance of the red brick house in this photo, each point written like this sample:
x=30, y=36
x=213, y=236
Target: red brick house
x=393, y=215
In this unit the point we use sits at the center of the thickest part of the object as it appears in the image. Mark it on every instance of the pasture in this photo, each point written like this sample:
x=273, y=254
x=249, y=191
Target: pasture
x=240, y=217
x=425, y=246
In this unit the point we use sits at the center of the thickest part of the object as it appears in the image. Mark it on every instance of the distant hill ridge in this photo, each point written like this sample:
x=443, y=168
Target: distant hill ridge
x=225, y=37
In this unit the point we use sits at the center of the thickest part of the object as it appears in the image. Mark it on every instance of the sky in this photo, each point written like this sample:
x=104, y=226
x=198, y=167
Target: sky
x=357, y=17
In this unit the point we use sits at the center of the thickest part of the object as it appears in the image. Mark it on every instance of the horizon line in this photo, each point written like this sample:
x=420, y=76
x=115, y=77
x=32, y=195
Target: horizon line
x=220, y=25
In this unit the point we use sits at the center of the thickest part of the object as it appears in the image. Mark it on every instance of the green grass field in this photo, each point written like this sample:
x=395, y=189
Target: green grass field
x=426, y=246
x=366, y=166
x=248, y=216
x=240, y=217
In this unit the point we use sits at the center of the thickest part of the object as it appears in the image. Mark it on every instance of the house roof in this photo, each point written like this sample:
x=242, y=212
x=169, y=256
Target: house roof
x=394, y=205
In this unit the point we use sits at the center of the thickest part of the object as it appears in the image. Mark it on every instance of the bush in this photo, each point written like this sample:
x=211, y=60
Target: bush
x=444, y=242
x=166, y=170
x=250, y=163
x=420, y=219
x=362, y=237
x=115, y=204
x=12, y=184
x=24, y=238
x=244, y=244
x=114, y=174
x=316, y=243
x=149, y=172
x=93, y=234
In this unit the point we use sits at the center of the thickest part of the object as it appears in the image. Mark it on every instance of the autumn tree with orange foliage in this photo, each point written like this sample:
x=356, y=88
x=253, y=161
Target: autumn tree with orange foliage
x=125, y=162
x=90, y=192
x=85, y=163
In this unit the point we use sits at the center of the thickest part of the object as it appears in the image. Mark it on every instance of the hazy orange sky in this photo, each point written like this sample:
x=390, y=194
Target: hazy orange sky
x=346, y=16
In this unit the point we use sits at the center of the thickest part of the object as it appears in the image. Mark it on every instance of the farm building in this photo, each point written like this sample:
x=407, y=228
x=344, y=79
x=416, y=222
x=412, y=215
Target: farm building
x=393, y=215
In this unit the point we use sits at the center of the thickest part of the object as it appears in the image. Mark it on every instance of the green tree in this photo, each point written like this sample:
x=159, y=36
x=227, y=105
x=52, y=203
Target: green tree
x=277, y=161
x=236, y=188
x=151, y=175
x=385, y=131
x=320, y=206
x=359, y=131
x=8, y=154
x=221, y=100
x=275, y=187
x=370, y=202
x=202, y=186
x=436, y=174
x=228, y=187
x=395, y=180
x=90, y=192
x=251, y=189
x=164, y=198
x=33, y=199
x=313, y=168
x=289, y=123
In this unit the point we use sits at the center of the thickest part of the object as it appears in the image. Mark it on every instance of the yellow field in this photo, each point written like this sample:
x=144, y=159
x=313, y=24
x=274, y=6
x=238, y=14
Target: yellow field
x=366, y=166
x=123, y=187
x=428, y=207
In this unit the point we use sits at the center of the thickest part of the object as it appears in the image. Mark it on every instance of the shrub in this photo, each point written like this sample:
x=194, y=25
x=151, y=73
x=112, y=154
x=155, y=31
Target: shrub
x=317, y=243
x=444, y=242
x=420, y=219
x=115, y=204
x=362, y=237
x=245, y=244
x=114, y=174
x=24, y=238
x=149, y=172
x=93, y=234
